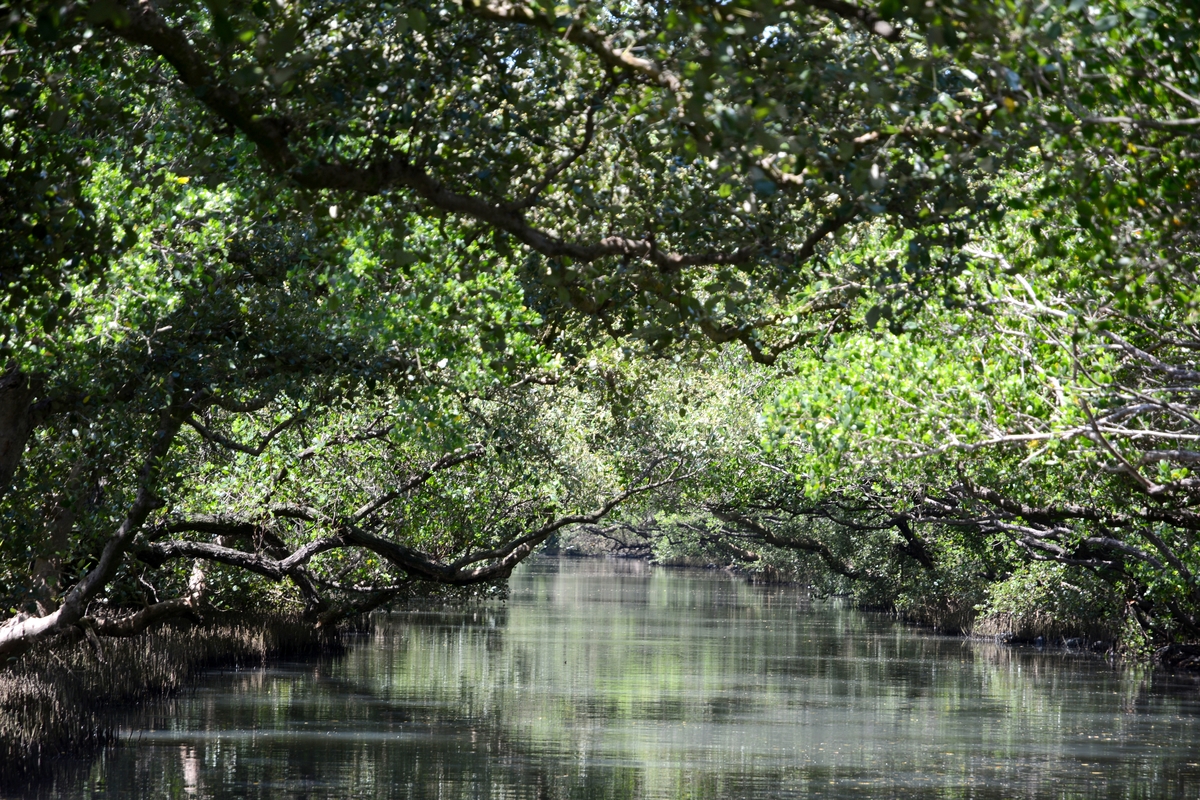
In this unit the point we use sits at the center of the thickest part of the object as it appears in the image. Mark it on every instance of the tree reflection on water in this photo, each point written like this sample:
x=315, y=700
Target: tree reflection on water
x=602, y=679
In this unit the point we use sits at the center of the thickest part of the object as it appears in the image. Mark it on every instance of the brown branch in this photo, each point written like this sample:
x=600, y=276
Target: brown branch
x=306, y=553
x=365, y=436
x=914, y=546
x=143, y=25
x=830, y=226
x=396, y=170
x=148, y=617
x=133, y=624
x=214, y=524
x=147, y=28
x=589, y=133
x=281, y=561
x=159, y=553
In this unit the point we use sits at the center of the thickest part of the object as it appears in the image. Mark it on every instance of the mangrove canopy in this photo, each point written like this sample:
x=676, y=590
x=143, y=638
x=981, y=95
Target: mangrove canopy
x=318, y=305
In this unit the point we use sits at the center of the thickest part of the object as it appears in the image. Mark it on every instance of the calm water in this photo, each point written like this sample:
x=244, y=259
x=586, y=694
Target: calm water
x=603, y=680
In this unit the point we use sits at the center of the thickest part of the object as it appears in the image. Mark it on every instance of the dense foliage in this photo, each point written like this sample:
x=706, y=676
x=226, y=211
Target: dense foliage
x=320, y=303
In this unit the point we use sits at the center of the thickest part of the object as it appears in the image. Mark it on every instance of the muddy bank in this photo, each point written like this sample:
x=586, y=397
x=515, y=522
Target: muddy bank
x=58, y=701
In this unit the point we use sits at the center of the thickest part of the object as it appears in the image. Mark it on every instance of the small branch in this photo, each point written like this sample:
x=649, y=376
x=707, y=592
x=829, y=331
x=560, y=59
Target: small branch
x=459, y=456
x=150, y=616
x=788, y=543
x=133, y=624
x=1176, y=90
x=589, y=132
x=1147, y=485
x=1174, y=456
x=366, y=436
x=1177, y=373
x=229, y=444
x=576, y=33
x=828, y=227
x=1141, y=122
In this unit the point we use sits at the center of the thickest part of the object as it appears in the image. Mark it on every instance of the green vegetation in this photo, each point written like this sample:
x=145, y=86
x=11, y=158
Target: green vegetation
x=308, y=307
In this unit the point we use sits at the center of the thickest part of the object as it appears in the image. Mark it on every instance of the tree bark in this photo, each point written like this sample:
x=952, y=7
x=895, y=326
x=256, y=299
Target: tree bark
x=47, y=567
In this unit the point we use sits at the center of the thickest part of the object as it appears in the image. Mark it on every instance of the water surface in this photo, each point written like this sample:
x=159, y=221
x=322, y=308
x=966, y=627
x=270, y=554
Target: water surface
x=601, y=679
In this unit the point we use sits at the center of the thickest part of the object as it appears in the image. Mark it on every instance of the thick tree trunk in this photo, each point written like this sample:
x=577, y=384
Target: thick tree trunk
x=47, y=567
x=16, y=396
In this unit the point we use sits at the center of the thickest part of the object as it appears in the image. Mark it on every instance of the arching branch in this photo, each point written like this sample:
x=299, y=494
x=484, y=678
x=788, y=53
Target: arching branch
x=21, y=631
x=765, y=534
x=471, y=568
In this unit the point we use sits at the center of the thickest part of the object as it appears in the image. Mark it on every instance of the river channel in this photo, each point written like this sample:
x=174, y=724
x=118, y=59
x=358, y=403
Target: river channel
x=602, y=679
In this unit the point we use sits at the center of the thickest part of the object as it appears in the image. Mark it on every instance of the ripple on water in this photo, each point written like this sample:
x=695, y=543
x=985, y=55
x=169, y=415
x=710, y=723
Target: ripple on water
x=605, y=680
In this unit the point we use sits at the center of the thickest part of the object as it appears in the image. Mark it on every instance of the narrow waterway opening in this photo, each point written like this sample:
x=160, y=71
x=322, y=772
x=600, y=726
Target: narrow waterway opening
x=610, y=679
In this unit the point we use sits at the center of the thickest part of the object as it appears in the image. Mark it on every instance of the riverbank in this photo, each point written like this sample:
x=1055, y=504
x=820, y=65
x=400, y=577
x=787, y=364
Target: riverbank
x=1070, y=632
x=59, y=701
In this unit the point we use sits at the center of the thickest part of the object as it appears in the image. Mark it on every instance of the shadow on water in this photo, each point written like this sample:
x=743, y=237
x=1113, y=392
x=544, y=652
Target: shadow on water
x=614, y=680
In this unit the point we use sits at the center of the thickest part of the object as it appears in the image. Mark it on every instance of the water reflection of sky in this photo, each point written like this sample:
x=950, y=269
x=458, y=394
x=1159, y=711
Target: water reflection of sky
x=613, y=680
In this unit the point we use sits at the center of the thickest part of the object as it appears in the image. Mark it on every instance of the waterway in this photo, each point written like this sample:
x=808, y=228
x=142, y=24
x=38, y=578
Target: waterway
x=603, y=679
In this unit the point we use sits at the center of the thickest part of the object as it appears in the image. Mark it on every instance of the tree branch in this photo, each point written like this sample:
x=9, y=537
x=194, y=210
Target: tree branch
x=19, y=632
x=577, y=33
x=229, y=444
x=459, y=456
x=1142, y=122
x=789, y=543
x=589, y=132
